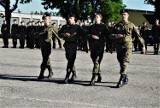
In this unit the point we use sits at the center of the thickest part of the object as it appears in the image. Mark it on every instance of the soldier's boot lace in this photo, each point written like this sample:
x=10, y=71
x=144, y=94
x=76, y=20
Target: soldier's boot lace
x=50, y=72
x=121, y=81
x=99, y=78
x=126, y=79
x=74, y=76
x=41, y=76
x=66, y=80
x=92, y=82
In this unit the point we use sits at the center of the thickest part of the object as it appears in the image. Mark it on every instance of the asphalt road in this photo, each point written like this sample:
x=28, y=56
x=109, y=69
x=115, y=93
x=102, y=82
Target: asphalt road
x=19, y=87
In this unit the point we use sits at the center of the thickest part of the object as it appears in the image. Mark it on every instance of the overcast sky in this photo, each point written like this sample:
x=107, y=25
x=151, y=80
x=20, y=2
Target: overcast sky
x=35, y=5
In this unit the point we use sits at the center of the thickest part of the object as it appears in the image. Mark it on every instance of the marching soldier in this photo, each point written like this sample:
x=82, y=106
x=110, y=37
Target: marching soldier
x=156, y=36
x=70, y=33
x=5, y=34
x=46, y=45
x=22, y=34
x=98, y=35
x=123, y=37
x=14, y=30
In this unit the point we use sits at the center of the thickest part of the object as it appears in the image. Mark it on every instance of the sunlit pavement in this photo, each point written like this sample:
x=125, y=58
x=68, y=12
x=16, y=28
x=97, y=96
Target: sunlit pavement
x=19, y=87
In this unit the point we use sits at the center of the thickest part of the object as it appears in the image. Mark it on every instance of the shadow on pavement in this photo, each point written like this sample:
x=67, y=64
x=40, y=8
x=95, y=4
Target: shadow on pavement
x=55, y=80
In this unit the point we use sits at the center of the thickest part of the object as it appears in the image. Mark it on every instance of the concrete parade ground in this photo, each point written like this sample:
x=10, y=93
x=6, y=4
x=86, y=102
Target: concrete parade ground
x=19, y=87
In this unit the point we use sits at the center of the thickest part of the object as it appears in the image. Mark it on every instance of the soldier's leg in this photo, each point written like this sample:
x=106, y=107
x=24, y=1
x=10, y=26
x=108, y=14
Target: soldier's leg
x=59, y=42
x=45, y=54
x=124, y=61
x=49, y=68
x=71, y=60
x=14, y=40
x=54, y=42
x=5, y=40
x=95, y=59
x=99, y=61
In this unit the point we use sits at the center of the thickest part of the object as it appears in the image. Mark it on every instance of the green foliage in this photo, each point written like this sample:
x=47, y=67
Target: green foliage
x=84, y=9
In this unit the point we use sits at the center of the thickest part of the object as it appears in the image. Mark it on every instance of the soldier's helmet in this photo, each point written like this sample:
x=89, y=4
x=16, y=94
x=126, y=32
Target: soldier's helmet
x=45, y=15
x=123, y=11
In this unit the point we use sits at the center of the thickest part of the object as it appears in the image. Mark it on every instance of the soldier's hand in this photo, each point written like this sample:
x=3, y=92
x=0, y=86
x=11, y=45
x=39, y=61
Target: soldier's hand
x=119, y=36
x=67, y=34
x=110, y=50
x=95, y=37
x=143, y=50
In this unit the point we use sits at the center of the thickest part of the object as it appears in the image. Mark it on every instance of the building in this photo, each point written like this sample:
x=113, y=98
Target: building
x=137, y=16
x=32, y=17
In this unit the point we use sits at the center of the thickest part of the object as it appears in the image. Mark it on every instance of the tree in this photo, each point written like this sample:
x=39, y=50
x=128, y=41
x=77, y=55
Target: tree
x=84, y=9
x=156, y=4
x=9, y=9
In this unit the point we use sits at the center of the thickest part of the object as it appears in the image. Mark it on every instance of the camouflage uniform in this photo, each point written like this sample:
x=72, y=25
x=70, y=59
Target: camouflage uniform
x=46, y=45
x=97, y=47
x=14, y=31
x=70, y=46
x=5, y=35
x=124, y=46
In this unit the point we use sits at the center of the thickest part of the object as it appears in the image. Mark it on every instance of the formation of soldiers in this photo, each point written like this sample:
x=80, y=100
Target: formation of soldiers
x=27, y=35
x=93, y=38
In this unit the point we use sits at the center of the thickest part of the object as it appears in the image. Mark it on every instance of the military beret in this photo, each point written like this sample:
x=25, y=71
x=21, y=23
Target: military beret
x=123, y=11
x=45, y=15
x=14, y=20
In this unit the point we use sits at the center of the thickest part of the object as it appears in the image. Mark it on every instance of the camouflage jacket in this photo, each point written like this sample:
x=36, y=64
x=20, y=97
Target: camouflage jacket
x=47, y=32
x=126, y=29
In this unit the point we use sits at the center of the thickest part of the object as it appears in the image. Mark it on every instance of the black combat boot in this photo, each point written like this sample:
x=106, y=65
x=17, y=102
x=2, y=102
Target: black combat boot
x=50, y=72
x=121, y=81
x=99, y=78
x=66, y=80
x=126, y=79
x=74, y=76
x=93, y=79
x=41, y=76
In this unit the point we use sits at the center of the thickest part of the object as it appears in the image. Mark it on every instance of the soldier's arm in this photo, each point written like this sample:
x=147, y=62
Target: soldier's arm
x=55, y=32
x=61, y=32
x=140, y=39
x=135, y=29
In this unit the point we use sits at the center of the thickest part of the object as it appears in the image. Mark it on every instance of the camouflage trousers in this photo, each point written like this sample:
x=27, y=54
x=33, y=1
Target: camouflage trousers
x=96, y=56
x=71, y=52
x=46, y=51
x=124, y=56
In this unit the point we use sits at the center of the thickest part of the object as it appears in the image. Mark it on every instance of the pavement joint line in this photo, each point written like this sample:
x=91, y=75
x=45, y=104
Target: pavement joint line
x=48, y=100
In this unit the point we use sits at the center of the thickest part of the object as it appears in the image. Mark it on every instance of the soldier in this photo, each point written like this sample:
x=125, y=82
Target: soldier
x=144, y=34
x=46, y=45
x=123, y=37
x=32, y=35
x=37, y=44
x=70, y=33
x=5, y=34
x=14, y=30
x=22, y=34
x=85, y=28
x=98, y=35
x=28, y=29
x=156, y=36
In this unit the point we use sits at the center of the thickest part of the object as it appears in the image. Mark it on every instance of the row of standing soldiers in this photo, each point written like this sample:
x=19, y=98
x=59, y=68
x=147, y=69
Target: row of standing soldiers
x=28, y=35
